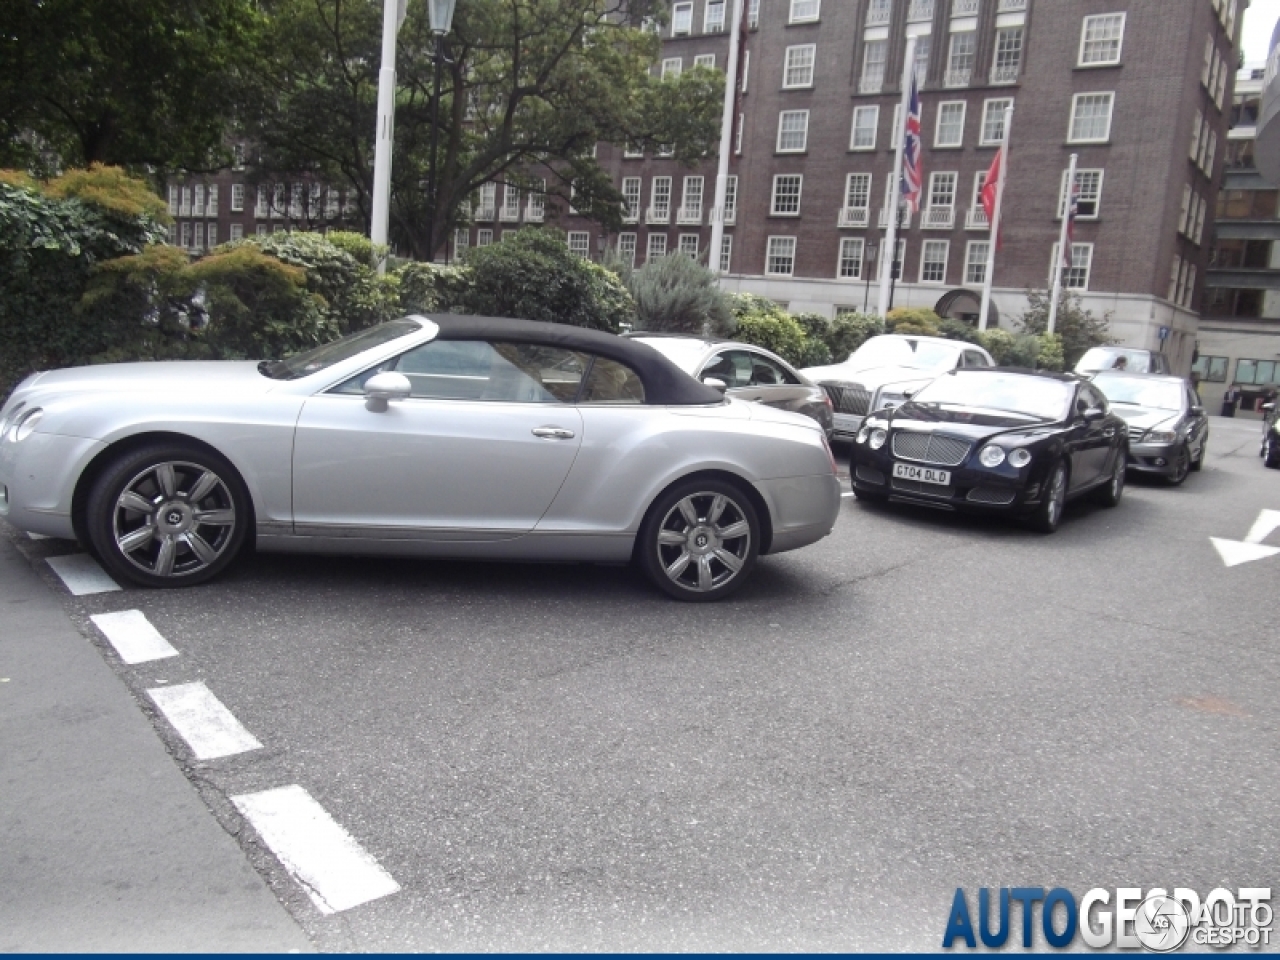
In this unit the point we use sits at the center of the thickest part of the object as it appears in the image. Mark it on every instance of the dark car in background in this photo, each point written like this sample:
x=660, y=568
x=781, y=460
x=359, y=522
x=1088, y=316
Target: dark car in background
x=747, y=372
x=1168, y=429
x=1271, y=436
x=1001, y=440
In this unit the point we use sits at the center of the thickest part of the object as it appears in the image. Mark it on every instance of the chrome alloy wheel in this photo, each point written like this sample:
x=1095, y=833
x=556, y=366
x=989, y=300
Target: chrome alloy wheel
x=703, y=541
x=1057, y=497
x=174, y=519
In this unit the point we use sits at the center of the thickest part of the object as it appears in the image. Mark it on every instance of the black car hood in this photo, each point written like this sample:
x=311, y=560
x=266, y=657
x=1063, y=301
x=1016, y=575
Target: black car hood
x=974, y=423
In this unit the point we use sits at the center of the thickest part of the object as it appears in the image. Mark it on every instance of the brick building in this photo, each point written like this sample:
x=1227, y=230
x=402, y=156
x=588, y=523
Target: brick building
x=1140, y=89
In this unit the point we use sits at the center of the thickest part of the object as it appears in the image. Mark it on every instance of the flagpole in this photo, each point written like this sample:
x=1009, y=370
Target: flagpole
x=995, y=220
x=899, y=137
x=1063, y=253
x=727, y=120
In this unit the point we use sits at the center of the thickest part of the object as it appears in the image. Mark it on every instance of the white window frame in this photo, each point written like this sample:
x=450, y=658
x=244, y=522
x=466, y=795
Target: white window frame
x=237, y=232
x=970, y=56
x=993, y=107
x=726, y=252
x=627, y=247
x=197, y=242
x=211, y=201
x=1196, y=126
x=881, y=64
x=173, y=199
x=655, y=247
x=510, y=209
x=1210, y=52
x=731, y=198
x=926, y=262
x=654, y=192
x=799, y=12
x=692, y=192
x=237, y=198
x=461, y=240
x=631, y=151
x=849, y=258
x=780, y=247
x=672, y=67
x=1185, y=213
x=873, y=111
x=710, y=24
x=687, y=243
x=1189, y=290
x=579, y=242
x=1101, y=19
x=197, y=200
x=1198, y=235
x=936, y=179
x=803, y=132
x=938, y=143
x=705, y=60
x=1175, y=279
x=849, y=181
x=1094, y=175
x=682, y=17
x=1078, y=251
x=975, y=262
x=798, y=179
x=211, y=234
x=484, y=237
x=794, y=61
x=1101, y=96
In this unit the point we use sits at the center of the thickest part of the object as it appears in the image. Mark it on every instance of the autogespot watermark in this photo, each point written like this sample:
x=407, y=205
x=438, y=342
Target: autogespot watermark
x=1127, y=917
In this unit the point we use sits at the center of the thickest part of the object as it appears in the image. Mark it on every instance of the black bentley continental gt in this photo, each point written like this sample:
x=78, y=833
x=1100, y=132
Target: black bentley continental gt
x=999, y=440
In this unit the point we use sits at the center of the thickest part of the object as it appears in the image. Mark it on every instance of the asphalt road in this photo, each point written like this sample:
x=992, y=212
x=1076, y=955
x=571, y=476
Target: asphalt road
x=559, y=758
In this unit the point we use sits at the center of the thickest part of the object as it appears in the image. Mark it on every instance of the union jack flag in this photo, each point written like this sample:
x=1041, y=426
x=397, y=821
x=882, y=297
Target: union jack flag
x=912, y=153
x=1073, y=210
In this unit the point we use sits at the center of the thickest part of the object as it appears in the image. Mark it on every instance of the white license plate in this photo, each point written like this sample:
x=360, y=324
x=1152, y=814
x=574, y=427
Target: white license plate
x=848, y=422
x=909, y=471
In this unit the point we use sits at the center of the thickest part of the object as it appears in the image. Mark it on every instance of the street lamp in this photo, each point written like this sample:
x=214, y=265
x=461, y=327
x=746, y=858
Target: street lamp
x=441, y=12
x=869, y=251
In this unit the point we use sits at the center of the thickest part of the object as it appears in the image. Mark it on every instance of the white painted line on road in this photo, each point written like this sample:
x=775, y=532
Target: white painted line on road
x=331, y=866
x=133, y=636
x=82, y=575
x=210, y=729
x=1234, y=553
x=1267, y=521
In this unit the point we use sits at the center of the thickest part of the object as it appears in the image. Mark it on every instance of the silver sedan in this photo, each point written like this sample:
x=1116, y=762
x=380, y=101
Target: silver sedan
x=450, y=436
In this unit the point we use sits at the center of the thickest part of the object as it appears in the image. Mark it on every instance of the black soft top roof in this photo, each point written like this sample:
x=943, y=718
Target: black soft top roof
x=665, y=384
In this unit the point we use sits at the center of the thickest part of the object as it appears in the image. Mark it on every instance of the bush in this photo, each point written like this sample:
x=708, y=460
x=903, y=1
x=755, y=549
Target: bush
x=774, y=331
x=916, y=321
x=850, y=331
x=1076, y=328
x=676, y=294
x=431, y=287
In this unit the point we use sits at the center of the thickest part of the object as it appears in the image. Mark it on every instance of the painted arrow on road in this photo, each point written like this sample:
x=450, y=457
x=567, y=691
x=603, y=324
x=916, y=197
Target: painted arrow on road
x=1236, y=552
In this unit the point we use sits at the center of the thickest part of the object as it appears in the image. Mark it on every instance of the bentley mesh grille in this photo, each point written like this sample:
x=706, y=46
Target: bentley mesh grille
x=852, y=398
x=930, y=448
x=992, y=495
x=915, y=486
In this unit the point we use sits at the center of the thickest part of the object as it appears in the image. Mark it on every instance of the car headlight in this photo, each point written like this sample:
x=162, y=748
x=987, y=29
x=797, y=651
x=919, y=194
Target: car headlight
x=878, y=437
x=991, y=456
x=23, y=428
x=863, y=433
x=1161, y=436
x=1019, y=457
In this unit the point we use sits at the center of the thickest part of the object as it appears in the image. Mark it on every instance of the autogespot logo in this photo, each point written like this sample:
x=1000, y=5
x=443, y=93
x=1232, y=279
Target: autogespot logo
x=1155, y=920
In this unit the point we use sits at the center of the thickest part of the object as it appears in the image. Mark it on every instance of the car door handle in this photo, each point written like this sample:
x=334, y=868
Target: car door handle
x=553, y=433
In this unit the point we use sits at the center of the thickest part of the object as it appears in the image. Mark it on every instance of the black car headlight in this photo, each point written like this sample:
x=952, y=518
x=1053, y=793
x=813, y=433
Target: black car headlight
x=1019, y=457
x=991, y=455
x=877, y=438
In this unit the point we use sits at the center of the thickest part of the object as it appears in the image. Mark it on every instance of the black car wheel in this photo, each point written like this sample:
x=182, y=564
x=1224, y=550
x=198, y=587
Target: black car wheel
x=1198, y=462
x=1181, y=465
x=1110, y=493
x=1054, y=500
x=700, y=540
x=1272, y=454
x=168, y=515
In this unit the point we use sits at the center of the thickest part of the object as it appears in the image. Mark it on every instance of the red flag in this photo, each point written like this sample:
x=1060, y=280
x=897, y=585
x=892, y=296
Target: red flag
x=989, y=187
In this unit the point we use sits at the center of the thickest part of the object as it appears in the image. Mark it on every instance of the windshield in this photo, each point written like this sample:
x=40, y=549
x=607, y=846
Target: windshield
x=318, y=358
x=890, y=351
x=1007, y=392
x=1158, y=394
x=685, y=354
x=1113, y=358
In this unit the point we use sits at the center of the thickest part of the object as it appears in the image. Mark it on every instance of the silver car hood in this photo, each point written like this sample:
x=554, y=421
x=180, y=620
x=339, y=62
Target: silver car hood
x=184, y=376
x=869, y=377
x=1144, y=418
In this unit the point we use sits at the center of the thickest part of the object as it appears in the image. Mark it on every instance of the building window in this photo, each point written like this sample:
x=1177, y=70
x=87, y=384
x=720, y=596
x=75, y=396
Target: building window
x=950, y=128
x=212, y=234
x=731, y=198
x=1211, y=369
x=737, y=137
x=198, y=242
x=510, y=202
x=262, y=203
x=879, y=12
x=1196, y=125
x=933, y=262
x=536, y=208
x=850, y=266
x=681, y=19
x=184, y=209
x=786, y=195
x=942, y=190
x=1101, y=39
x=688, y=244
x=630, y=199
x=173, y=200
x=1008, y=59
x=484, y=237
x=657, y=246
x=713, y=19
x=579, y=242
x=632, y=151
x=1091, y=117
x=1258, y=372
x=185, y=234
x=924, y=44
x=857, y=191
x=793, y=131
x=803, y=11
x=1188, y=295
x=237, y=156
x=1088, y=194
x=237, y=231
x=960, y=58
x=798, y=68
x=691, y=209
x=705, y=60
x=627, y=248
x=746, y=69
x=197, y=204
x=486, y=204
x=781, y=258
x=660, y=201
x=295, y=201
x=865, y=122
x=753, y=14
x=1185, y=214
x=1175, y=279
x=260, y=230
x=1076, y=276
x=237, y=198
x=874, y=55
x=726, y=252
x=993, y=122
x=975, y=262
x=672, y=67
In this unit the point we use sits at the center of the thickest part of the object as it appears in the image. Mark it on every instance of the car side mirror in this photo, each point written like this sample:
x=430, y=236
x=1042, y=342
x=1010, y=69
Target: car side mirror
x=1198, y=411
x=1265, y=406
x=716, y=382
x=1094, y=413
x=384, y=387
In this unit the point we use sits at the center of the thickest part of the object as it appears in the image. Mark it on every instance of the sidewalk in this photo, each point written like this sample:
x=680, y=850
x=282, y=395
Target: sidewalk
x=104, y=845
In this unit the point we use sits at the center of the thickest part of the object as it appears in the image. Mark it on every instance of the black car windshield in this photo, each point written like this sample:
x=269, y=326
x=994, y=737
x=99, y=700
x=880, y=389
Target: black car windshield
x=318, y=358
x=1037, y=397
x=891, y=351
x=1138, y=392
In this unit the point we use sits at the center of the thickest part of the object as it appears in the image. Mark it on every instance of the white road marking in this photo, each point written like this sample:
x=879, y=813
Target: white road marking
x=133, y=636
x=210, y=729
x=331, y=866
x=1235, y=552
x=1267, y=521
x=82, y=575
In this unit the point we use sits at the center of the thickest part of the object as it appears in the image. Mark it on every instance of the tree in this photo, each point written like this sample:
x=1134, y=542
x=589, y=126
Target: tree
x=530, y=86
x=1078, y=329
x=125, y=82
x=676, y=294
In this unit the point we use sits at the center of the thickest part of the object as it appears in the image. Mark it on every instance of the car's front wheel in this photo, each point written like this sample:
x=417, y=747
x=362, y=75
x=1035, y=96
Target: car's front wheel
x=168, y=515
x=1181, y=465
x=700, y=540
x=1272, y=452
x=1053, y=501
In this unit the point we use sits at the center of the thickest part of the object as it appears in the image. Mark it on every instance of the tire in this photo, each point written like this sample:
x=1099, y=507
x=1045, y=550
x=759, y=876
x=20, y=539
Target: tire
x=1198, y=462
x=1181, y=466
x=1109, y=493
x=1272, y=453
x=685, y=532
x=1049, y=514
x=168, y=515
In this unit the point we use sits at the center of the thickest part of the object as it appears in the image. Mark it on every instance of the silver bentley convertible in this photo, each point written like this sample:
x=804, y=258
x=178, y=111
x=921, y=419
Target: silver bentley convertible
x=449, y=436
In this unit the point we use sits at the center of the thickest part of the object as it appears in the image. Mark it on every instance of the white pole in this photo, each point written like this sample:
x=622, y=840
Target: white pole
x=890, y=253
x=386, y=128
x=1063, y=211
x=726, y=139
x=995, y=220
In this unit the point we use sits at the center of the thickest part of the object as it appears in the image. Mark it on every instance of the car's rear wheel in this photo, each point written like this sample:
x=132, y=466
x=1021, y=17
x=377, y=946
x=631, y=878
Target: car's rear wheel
x=1181, y=465
x=1110, y=493
x=168, y=515
x=1053, y=501
x=1272, y=452
x=700, y=540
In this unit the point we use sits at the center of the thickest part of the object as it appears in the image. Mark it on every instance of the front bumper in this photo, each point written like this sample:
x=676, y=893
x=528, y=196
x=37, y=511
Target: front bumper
x=1155, y=458
x=1004, y=489
x=38, y=478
